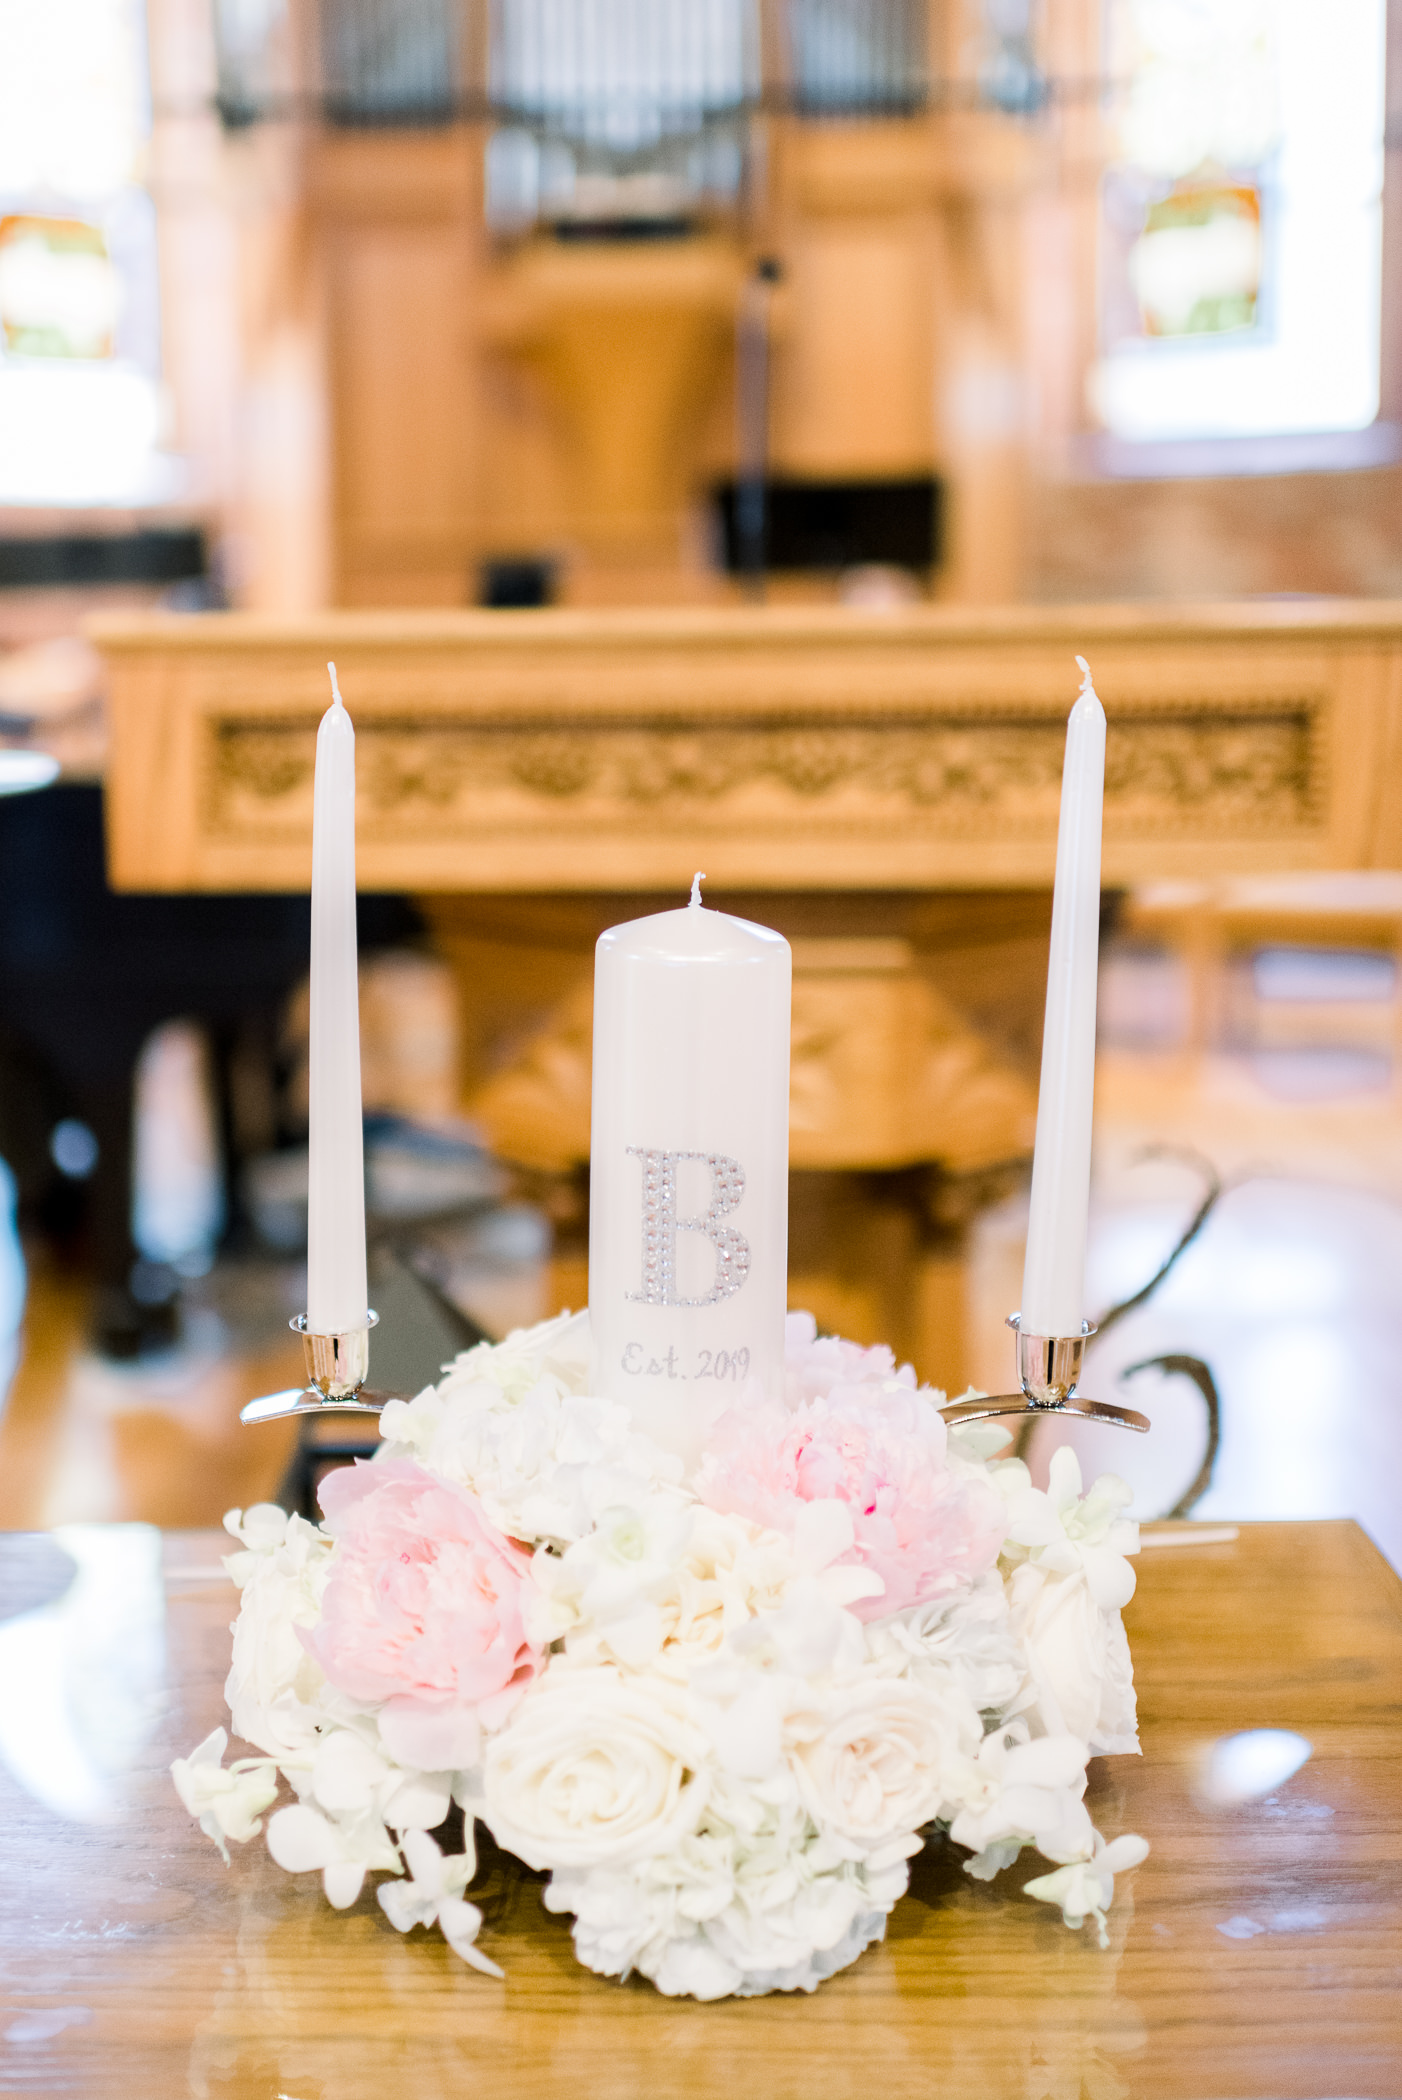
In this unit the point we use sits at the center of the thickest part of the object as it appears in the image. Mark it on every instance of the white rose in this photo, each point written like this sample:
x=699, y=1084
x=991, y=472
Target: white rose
x=594, y=1769
x=1079, y=1657
x=871, y=1768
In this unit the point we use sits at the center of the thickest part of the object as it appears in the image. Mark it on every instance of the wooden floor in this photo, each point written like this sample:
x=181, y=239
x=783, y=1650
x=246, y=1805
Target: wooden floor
x=84, y=1440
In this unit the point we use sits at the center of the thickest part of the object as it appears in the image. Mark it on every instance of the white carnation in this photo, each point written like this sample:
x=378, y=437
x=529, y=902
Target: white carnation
x=663, y=1582
x=608, y=1590
x=731, y=1573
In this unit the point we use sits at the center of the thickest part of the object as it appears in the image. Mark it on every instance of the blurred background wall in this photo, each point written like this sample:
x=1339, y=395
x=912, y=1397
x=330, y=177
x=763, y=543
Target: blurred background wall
x=430, y=301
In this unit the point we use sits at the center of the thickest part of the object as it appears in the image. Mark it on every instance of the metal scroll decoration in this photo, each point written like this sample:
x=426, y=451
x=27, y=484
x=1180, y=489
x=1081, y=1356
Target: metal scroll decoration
x=1176, y=1363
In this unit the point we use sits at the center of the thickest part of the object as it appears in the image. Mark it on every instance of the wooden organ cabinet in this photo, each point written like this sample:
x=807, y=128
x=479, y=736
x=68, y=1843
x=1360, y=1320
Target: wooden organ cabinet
x=564, y=390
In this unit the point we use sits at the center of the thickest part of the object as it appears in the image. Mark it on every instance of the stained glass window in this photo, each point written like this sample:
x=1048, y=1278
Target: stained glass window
x=1241, y=222
x=79, y=308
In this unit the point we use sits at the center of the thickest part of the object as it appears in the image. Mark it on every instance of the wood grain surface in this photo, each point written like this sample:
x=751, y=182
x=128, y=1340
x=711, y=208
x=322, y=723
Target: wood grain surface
x=1257, y=1955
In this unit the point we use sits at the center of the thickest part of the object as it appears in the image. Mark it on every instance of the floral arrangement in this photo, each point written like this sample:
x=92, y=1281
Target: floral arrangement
x=722, y=1715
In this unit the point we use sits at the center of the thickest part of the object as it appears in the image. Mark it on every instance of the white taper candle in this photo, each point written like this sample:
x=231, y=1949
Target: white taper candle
x=1053, y=1283
x=337, y=1294
x=688, y=1218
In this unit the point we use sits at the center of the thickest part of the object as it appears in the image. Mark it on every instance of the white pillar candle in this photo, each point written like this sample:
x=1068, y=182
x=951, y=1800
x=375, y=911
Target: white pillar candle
x=337, y=1295
x=688, y=1177
x=1053, y=1282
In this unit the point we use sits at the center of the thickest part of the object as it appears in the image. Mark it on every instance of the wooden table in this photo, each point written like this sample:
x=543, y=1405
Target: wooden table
x=1257, y=1953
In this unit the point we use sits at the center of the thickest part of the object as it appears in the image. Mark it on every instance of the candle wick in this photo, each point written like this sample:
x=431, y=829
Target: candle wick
x=336, y=699
x=1086, y=686
x=696, y=882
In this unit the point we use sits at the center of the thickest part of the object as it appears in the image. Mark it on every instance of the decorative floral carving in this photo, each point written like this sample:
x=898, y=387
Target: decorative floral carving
x=1169, y=767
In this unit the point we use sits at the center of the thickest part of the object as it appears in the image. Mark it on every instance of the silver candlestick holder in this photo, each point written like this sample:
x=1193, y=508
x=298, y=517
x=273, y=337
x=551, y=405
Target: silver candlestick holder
x=337, y=1368
x=1048, y=1370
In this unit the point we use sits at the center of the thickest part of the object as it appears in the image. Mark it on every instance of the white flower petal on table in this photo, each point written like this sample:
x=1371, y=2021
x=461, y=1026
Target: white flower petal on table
x=227, y=1803
x=1085, y=1888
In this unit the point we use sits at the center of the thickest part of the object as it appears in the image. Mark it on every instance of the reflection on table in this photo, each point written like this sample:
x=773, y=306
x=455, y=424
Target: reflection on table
x=1251, y=1954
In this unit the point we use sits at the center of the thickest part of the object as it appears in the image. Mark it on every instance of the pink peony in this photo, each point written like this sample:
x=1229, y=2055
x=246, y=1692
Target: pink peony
x=879, y=1450
x=424, y=1611
x=814, y=1363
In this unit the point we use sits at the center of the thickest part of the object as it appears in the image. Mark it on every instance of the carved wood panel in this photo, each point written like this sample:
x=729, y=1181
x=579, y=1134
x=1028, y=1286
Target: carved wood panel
x=621, y=751
x=1169, y=770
